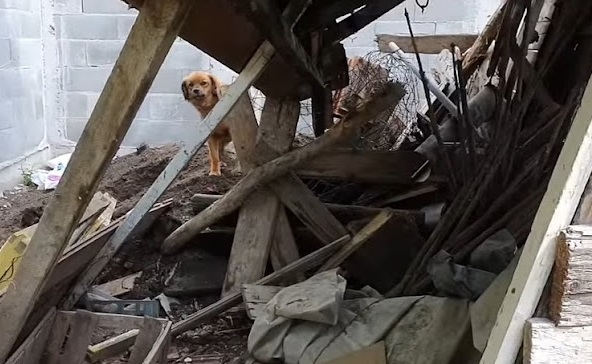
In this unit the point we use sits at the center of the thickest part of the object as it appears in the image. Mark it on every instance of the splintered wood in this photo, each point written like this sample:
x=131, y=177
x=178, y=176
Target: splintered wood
x=571, y=301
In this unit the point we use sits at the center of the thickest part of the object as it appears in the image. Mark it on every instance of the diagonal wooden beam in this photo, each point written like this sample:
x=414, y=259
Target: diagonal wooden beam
x=144, y=51
x=270, y=21
x=322, y=14
x=235, y=93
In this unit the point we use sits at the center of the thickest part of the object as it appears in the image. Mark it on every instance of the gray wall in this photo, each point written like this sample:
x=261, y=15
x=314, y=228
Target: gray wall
x=22, y=124
x=91, y=34
x=55, y=56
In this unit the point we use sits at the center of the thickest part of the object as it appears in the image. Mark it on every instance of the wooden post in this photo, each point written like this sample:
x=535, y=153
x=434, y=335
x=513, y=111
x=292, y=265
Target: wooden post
x=234, y=94
x=556, y=210
x=258, y=224
x=144, y=51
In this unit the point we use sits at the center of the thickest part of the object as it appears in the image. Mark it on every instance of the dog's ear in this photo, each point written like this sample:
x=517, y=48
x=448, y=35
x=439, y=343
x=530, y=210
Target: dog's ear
x=185, y=90
x=217, y=86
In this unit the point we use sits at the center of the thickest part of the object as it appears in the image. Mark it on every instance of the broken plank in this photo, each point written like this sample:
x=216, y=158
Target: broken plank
x=149, y=332
x=80, y=334
x=119, y=286
x=112, y=346
x=357, y=241
x=268, y=172
x=256, y=297
x=235, y=92
x=365, y=166
x=571, y=294
x=31, y=350
x=544, y=343
x=159, y=351
x=257, y=223
x=556, y=211
x=426, y=44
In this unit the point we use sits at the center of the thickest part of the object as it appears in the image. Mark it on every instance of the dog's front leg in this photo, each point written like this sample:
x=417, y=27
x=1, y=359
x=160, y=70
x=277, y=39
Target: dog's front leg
x=214, y=154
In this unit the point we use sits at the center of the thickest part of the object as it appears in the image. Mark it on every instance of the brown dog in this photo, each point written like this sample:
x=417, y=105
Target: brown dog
x=203, y=90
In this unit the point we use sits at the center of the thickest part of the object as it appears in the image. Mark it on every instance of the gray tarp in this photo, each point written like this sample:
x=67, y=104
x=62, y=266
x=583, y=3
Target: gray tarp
x=311, y=322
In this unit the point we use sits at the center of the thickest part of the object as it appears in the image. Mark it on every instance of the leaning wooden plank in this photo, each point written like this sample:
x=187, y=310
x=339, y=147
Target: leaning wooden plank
x=350, y=124
x=571, y=295
x=158, y=352
x=357, y=241
x=149, y=332
x=365, y=166
x=250, y=73
x=79, y=337
x=57, y=337
x=145, y=49
x=113, y=321
x=31, y=350
x=301, y=265
x=556, y=210
x=257, y=221
x=112, y=346
x=426, y=44
x=544, y=343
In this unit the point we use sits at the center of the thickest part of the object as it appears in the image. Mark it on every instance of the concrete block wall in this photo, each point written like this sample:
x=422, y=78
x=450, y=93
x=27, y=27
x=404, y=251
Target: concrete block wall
x=22, y=124
x=91, y=34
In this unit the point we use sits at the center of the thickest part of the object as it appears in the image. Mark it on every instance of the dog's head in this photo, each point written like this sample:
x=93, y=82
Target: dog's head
x=202, y=89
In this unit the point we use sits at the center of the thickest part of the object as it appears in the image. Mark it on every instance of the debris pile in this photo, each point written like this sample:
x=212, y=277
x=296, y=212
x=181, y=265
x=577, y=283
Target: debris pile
x=399, y=248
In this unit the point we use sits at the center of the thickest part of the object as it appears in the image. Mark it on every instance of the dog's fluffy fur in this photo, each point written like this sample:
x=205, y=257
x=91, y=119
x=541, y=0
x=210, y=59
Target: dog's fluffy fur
x=203, y=90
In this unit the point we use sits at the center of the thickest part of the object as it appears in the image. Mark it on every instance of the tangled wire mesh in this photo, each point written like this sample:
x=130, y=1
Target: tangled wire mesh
x=369, y=74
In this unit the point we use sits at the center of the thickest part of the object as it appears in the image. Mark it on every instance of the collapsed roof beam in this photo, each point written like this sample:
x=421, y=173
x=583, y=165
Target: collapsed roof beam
x=358, y=20
x=322, y=14
x=266, y=16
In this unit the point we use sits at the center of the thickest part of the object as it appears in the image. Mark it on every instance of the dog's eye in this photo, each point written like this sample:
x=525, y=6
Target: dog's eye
x=204, y=83
x=190, y=84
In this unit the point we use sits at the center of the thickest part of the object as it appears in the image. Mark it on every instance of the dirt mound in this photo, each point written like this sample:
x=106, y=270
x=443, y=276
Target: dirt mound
x=126, y=179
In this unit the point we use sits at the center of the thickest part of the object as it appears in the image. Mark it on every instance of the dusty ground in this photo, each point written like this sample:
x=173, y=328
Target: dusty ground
x=224, y=339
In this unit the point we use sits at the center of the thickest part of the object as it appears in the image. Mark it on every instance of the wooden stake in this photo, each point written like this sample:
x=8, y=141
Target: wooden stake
x=279, y=166
x=144, y=51
x=556, y=210
x=234, y=94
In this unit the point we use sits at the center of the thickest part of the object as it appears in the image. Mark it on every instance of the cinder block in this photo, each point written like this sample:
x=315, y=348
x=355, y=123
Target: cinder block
x=165, y=106
x=457, y=10
x=68, y=6
x=401, y=28
x=74, y=128
x=26, y=53
x=105, y=7
x=19, y=5
x=86, y=26
x=363, y=38
x=358, y=51
x=11, y=140
x=5, y=54
x=6, y=114
x=103, y=52
x=454, y=27
x=188, y=112
x=156, y=133
x=16, y=82
x=124, y=25
x=19, y=24
x=77, y=105
x=168, y=81
x=72, y=53
x=184, y=55
x=86, y=79
x=398, y=13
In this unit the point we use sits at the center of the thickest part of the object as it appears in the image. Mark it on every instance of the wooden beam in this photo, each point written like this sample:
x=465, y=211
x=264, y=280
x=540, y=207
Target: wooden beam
x=257, y=224
x=358, y=20
x=144, y=51
x=270, y=21
x=278, y=167
x=112, y=346
x=235, y=93
x=149, y=332
x=544, y=343
x=365, y=166
x=556, y=210
x=571, y=302
x=31, y=350
x=322, y=14
x=426, y=44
